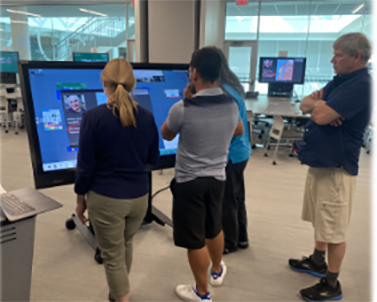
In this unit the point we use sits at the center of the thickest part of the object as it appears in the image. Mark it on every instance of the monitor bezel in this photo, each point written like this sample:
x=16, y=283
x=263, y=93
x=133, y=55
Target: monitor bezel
x=47, y=179
x=90, y=53
x=274, y=58
x=18, y=59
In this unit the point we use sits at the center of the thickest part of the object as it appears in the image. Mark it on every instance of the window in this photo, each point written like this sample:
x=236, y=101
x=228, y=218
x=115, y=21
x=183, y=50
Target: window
x=54, y=32
x=302, y=28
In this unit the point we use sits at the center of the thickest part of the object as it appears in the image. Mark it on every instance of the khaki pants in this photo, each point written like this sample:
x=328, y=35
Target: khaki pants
x=115, y=222
x=328, y=202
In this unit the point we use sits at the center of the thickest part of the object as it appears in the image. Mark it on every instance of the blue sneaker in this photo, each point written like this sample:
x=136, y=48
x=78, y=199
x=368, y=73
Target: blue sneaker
x=218, y=279
x=322, y=292
x=306, y=265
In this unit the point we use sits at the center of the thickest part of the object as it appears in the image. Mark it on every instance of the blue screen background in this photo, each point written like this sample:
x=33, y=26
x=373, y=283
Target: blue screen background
x=54, y=144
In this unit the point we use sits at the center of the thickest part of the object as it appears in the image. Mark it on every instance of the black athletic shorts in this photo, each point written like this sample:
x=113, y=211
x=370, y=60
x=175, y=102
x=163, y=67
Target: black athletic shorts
x=197, y=211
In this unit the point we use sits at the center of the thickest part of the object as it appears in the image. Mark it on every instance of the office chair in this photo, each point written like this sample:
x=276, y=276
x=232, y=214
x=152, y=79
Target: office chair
x=4, y=112
x=257, y=127
x=19, y=116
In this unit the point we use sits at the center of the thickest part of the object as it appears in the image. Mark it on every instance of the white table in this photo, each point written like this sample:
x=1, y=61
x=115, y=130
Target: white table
x=274, y=106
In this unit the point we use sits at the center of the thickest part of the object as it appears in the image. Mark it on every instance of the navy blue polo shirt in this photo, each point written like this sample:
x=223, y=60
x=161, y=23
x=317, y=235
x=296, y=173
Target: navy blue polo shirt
x=112, y=159
x=328, y=146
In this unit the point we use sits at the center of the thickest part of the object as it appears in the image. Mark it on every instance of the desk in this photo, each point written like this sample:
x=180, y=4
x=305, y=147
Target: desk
x=13, y=95
x=274, y=106
x=17, y=248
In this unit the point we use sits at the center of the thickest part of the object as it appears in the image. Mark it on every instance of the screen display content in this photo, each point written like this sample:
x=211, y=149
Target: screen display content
x=282, y=70
x=90, y=57
x=8, y=61
x=61, y=95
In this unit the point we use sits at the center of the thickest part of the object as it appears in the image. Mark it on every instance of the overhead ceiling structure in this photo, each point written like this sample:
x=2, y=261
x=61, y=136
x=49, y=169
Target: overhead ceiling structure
x=72, y=11
x=301, y=8
x=47, y=2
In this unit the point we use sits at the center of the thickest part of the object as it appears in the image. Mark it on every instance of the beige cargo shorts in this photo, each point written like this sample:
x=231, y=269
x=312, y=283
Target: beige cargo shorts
x=328, y=202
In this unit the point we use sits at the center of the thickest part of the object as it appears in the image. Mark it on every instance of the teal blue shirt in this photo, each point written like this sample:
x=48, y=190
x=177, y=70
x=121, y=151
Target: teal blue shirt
x=239, y=148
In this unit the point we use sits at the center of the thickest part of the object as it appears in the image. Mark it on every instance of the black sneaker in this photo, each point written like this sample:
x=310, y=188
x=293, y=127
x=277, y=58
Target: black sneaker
x=243, y=244
x=111, y=299
x=322, y=292
x=228, y=251
x=306, y=265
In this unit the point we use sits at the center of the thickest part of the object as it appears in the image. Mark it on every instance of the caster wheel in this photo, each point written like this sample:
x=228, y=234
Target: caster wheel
x=16, y=133
x=256, y=123
x=6, y=131
x=70, y=224
x=260, y=136
x=274, y=163
x=265, y=155
x=267, y=124
x=290, y=155
x=368, y=152
x=98, y=257
x=253, y=146
x=262, y=132
x=268, y=148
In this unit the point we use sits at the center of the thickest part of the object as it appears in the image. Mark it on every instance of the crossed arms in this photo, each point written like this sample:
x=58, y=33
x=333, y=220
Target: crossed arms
x=321, y=113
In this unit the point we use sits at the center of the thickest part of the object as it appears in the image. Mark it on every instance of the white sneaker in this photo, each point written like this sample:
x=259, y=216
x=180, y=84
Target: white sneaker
x=218, y=279
x=188, y=293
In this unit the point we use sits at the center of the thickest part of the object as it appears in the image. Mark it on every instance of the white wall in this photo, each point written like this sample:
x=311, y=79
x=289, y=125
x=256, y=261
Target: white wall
x=212, y=23
x=172, y=30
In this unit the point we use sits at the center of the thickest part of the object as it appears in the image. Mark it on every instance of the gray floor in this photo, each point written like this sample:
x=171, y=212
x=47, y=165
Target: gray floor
x=64, y=268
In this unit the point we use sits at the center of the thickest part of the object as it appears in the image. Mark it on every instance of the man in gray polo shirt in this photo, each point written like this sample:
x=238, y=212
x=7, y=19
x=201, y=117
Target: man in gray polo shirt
x=206, y=119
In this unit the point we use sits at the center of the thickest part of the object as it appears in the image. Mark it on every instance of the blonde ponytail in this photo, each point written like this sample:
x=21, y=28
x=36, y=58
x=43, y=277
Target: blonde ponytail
x=119, y=78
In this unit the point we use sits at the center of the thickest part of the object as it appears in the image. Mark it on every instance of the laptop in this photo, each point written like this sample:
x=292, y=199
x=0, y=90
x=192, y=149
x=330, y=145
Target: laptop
x=24, y=203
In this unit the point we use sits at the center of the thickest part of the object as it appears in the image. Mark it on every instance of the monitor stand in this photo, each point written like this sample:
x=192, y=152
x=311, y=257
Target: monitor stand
x=282, y=90
x=87, y=231
x=153, y=214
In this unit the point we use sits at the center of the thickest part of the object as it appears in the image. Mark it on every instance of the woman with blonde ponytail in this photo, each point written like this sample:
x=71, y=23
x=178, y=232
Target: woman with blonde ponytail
x=117, y=142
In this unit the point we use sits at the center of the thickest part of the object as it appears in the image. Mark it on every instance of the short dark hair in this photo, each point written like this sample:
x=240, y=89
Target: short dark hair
x=208, y=64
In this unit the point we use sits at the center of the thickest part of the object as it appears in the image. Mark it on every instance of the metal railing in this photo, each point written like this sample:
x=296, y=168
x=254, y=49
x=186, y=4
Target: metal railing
x=95, y=27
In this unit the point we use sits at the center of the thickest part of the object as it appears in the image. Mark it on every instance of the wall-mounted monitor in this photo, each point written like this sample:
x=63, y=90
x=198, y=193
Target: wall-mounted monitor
x=282, y=70
x=8, y=61
x=56, y=94
x=90, y=57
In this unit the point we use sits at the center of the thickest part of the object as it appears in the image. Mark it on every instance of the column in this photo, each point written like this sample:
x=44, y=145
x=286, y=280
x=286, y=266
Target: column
x=20, y=33
x=173, y=30
x=212, y=23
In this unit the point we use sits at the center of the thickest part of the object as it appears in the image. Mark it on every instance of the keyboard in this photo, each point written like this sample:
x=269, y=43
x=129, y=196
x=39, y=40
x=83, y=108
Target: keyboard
x=12, y=205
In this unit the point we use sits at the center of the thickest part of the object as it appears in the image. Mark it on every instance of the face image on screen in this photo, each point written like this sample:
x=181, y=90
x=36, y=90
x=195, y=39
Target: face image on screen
x=61, y=96
x=90, y=57
x=285, y=70
x=8, y=61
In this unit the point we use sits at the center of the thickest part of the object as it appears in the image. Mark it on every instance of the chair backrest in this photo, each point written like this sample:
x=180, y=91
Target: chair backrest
x=3, y=104
x=249, y=116
x=277, y=127
x=20, y=104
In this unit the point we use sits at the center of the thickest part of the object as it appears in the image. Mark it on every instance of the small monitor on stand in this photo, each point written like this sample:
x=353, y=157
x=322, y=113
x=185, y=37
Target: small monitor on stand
x=8, y=67
x=90, y=57
x=281, y=74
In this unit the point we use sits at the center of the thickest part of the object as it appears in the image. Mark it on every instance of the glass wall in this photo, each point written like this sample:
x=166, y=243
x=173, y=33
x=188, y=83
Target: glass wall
x=54, y=32
x=302, y=29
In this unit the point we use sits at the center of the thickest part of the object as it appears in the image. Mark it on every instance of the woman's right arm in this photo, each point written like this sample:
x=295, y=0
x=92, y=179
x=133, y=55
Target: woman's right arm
x=85, y=158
